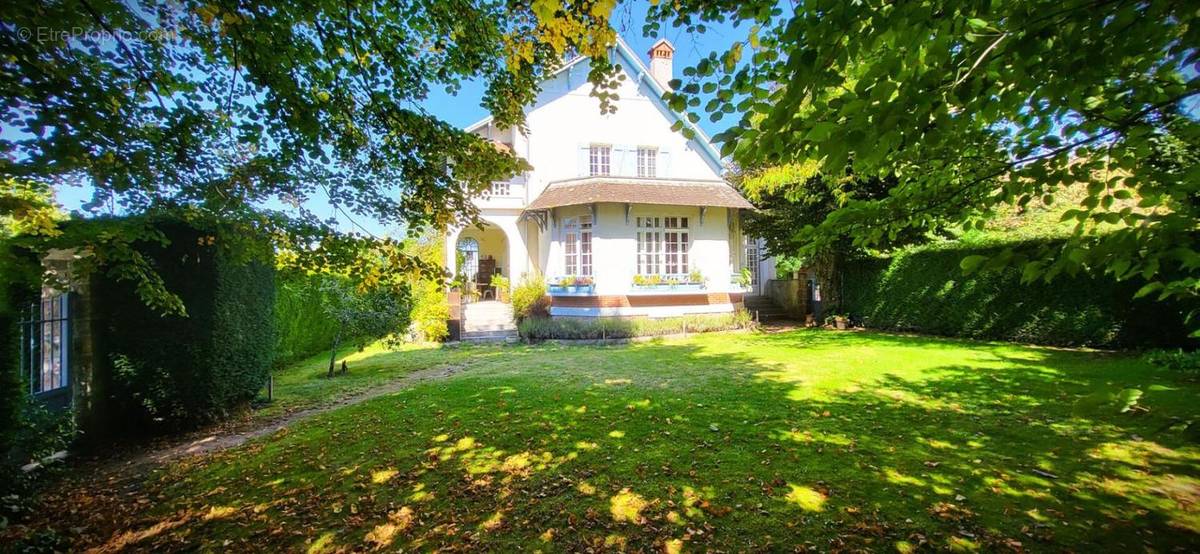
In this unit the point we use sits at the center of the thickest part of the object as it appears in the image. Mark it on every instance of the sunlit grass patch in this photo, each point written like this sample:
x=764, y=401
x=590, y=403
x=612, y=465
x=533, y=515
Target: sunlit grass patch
x=806, y=498
x=715, y=443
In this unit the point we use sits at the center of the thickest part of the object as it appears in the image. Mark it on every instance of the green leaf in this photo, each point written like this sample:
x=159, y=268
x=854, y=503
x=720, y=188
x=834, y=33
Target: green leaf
x=972, y=263
x=1147, y=289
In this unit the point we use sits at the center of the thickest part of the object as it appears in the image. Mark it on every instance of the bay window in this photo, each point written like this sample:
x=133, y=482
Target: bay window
x=675, y=239
x=577, y=245
x=662, y=246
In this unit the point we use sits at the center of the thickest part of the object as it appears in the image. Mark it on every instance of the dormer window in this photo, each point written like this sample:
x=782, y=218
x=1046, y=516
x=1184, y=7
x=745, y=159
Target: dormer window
x=647, y=161
x=599, y=159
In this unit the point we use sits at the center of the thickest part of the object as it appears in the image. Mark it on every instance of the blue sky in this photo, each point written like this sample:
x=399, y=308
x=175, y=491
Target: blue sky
x=464, y=108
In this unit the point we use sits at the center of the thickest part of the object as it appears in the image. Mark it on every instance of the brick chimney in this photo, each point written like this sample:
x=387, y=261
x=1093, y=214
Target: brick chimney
x=660, y=62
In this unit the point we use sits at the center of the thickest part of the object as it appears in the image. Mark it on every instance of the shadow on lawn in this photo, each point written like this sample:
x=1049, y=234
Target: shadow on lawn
x=674, y=444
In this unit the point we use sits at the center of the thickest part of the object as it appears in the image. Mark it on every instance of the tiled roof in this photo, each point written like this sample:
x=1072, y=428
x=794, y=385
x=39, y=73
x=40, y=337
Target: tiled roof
x=675, y=192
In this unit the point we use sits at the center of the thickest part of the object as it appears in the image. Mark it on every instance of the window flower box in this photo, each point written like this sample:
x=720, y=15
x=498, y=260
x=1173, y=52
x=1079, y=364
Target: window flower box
x=666, y=283
x=573, y=285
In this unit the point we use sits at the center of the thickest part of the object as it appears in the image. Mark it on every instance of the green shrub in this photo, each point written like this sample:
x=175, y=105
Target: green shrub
x=302, y=326
x=542, y=328
x=430, y=311
x=1175, y=360
x=503, y=287
x=924, y=290
x=529, y=297
x=177, y=371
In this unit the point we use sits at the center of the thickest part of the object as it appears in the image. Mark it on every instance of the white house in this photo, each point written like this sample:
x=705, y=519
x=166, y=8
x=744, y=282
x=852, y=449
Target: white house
x=618, y=200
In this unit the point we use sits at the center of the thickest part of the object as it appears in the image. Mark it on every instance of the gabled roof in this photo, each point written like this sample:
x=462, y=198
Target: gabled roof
x=662, y=42
x=637, y=68
x=674, y=192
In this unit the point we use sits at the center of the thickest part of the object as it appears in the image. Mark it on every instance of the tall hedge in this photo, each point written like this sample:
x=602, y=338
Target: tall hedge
x=18, y=287
x=178, y=371
x=303, y=325
x=924, y=290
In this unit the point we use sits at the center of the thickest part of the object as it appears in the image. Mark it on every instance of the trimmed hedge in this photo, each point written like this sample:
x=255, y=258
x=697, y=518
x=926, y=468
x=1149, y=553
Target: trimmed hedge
x=19, y=273
x=539, y=328
x=303, y=326
x=175, y=371
x=924, y=290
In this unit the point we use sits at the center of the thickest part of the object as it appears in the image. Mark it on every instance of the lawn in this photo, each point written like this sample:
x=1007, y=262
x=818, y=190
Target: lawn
x=304, y=384
x=819, y=439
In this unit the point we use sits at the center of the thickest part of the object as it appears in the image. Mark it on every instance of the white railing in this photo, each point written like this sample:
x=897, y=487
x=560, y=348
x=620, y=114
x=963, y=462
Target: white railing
x=504, y=193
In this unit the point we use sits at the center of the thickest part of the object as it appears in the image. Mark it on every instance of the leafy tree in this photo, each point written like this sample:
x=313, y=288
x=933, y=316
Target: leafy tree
x=363, y=314
x=798, y=196
x=214, y=109
x=970, y=106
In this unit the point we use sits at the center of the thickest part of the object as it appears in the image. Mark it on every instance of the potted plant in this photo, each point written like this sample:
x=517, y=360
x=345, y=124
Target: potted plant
x=558, y=285
x=744, y=278
x=585, y=284
x=569, y=283
x=672, y=283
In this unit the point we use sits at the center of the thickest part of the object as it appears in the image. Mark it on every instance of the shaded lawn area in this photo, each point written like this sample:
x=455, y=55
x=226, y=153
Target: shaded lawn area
x=726, y=441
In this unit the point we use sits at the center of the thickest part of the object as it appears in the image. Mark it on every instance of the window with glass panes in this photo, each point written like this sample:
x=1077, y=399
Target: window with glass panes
x=599, y=156
x=649, y=245
x=675, y=244
x=577, y=245
x=647, y=161
x=662, y=245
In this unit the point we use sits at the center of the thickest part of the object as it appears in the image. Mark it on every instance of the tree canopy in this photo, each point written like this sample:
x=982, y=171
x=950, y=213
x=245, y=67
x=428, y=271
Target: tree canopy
x=217, y=109
x=970, y=106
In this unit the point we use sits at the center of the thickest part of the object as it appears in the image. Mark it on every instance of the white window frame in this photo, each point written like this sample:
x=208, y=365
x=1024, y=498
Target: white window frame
x=664, y=245
x=498, y=189
x=600, y=159
x=577, y=245
x=647, y=161
x=676, y=245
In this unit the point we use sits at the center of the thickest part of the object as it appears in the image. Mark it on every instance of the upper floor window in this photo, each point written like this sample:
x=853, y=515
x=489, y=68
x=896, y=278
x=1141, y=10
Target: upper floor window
x=647, y=161
x=600, y=159
x=498, y=188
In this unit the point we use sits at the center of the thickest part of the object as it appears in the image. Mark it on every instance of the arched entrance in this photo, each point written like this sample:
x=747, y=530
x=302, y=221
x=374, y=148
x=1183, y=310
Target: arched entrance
x=480, y=253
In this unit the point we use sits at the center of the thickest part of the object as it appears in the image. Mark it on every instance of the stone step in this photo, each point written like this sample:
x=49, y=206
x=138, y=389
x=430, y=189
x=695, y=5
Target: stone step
x=471, y=328
x=490, y=336
x=487, y=321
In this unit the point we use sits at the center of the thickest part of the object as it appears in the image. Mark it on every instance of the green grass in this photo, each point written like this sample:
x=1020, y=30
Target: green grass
x=305, y=385
x=726, y=442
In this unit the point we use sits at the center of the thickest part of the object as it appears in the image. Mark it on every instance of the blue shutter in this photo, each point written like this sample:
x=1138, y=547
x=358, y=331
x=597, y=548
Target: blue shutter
x=626, y=165
x=663, y=167
x=584, y=152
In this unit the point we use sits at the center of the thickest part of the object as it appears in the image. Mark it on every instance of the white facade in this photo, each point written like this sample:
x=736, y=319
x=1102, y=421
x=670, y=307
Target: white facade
x=569, y=139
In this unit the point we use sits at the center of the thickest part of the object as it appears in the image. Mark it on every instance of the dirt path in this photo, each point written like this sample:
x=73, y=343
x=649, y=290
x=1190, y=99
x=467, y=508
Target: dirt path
x=218, y=440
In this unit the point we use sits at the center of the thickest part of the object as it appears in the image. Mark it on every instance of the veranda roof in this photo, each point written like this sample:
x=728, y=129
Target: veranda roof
x=675, y=192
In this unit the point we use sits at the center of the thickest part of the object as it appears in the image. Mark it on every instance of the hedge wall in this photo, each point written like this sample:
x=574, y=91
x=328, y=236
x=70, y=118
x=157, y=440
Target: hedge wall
x=18, y=287
x=924, y=290
x=303, y=327
x=179, y=371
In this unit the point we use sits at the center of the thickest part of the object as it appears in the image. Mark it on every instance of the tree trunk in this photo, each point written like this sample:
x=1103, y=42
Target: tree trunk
x=337, y=341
